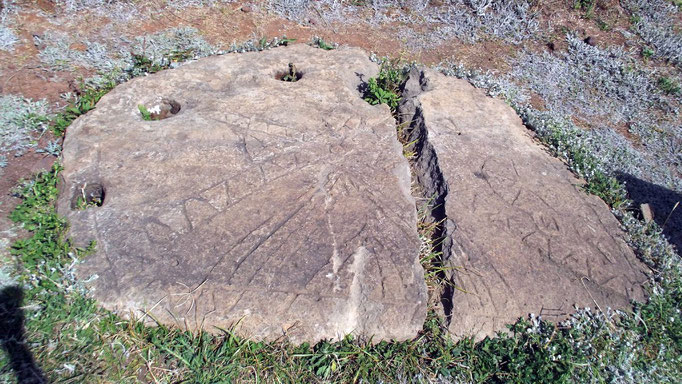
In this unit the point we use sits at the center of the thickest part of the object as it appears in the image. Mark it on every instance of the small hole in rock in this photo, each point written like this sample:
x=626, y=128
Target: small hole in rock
x=88, y=195
x=159, y=111
x=290, y=75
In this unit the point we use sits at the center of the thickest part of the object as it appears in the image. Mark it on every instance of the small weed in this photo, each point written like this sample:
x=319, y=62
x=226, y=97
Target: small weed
x=83, y=103
x=284, y=41
x=143, y=64
x=146, y=115
x=587, y=6
x=647, y=53
x=259, y=45
x=603, y=25
x=82, y=203
x=291, y=75
x=669, y=86
x=376, y=94
x=385, y=88
x=320, y=43
x=264, y=43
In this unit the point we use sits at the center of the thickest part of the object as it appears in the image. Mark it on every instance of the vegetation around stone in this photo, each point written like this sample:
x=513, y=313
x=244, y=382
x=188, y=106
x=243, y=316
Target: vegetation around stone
x=593, y=346
x=74, y=340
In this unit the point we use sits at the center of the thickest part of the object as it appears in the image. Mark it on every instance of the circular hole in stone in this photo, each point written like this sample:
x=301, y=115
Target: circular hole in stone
x=291, y=74
x=88, y=195
x=160, y=110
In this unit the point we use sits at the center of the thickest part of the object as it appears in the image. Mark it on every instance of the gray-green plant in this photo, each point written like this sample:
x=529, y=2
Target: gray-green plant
x=513, y=21
x=7, y=38
x=52, y=148
x=22, y=121
x=258, y=45
x=657, y=22
x=607, y=88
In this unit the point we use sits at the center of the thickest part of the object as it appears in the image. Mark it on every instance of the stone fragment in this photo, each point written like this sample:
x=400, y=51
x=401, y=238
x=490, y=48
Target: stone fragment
x=520, y=234
x=283, y=208
x=647, y=213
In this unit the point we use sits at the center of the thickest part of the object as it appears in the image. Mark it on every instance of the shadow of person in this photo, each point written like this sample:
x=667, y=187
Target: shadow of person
x=662, y=202
x=12, y=337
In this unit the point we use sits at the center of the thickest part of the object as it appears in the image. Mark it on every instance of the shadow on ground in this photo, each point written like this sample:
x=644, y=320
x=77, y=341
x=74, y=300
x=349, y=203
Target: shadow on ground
x=662, y=202
x=12, y=338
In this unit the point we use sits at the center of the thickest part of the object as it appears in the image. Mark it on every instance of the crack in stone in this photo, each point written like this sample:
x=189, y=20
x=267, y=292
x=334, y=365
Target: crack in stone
x=428, y=175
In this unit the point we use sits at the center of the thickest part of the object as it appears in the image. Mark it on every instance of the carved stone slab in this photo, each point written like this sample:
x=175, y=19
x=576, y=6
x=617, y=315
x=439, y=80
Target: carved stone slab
x=281, y=207
x=521, y=235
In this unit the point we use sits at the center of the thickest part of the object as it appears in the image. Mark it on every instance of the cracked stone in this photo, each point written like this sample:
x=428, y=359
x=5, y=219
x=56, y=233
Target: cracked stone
x=520, y=234
x=282, y=208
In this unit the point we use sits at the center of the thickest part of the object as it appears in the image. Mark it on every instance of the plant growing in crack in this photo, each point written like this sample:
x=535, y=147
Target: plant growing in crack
x=385, y=88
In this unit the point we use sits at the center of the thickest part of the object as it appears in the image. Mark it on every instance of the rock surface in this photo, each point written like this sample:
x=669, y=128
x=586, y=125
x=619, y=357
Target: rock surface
x=283, y=207
x=521, y=235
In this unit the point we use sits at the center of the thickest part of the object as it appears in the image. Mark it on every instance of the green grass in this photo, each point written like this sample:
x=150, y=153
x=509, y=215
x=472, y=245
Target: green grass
x=67, y=329
x=82, y=104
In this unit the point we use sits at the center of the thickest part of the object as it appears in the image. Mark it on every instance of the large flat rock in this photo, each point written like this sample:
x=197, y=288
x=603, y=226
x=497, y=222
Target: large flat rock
x=281, y=207
x=521, y=235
